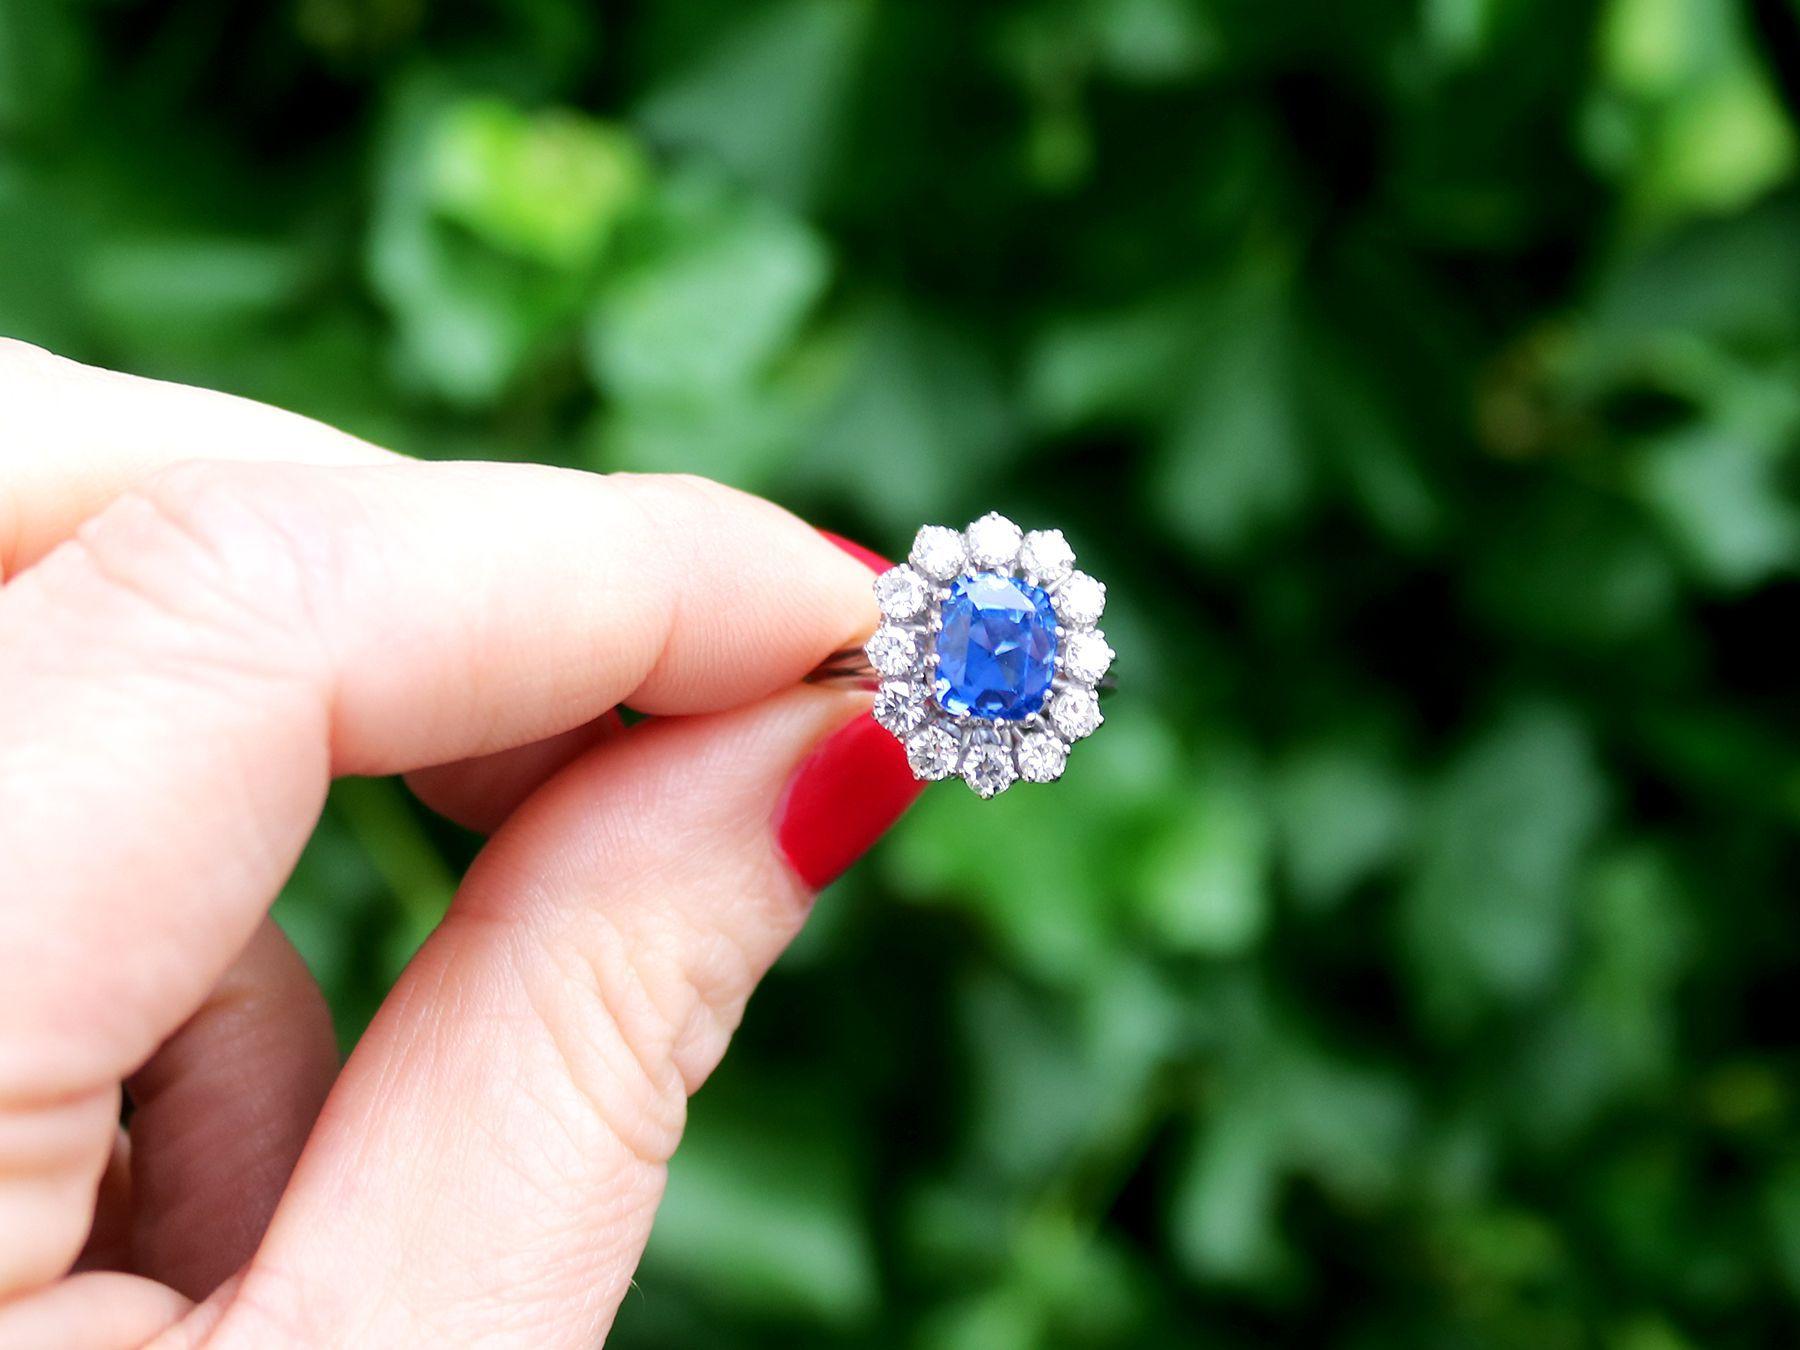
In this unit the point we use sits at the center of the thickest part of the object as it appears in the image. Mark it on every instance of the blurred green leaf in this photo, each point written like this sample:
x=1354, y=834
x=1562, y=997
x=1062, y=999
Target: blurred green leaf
x=1489, y=916
x=1154, y=41
x=1640, y=938
x=1285, y=1109
x=42, y=63
x=766, y=97
x=1699, y=129
x=1717, y=493
x=1061, y=904
x=1578, y=570
x=1784, y=1224
x=1354, y=422
x=44, y=258
x=915, y=417
x=1343, y=812
x=1039, y=1095
x=1087, y=1286
x=476, y=310
x=1649, y=45
x=1206, y=873
x=1458, y=29
x=1724, y=145
x=1734, y=281
x=1234, y=463
x=766, y=1217
x=1348, y=1125
x=1109, y=365
x=1222, y=1209
x=1057, y=1083
x=1650, y=1333
x=1006, y=1319
x=550, y=187
x=174, y=291
x=707, y=301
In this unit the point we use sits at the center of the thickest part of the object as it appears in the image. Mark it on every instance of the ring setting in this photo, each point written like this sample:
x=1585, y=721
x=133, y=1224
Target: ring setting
x=989, y=656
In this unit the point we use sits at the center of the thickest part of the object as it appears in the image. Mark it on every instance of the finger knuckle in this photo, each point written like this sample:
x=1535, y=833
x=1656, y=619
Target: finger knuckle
x=672, y=516
x=690, y=486
x=226, y=546
x=637, y=1020
x=246, y=524
x=52, y=1152
x=608, y=1016
x=685, y=505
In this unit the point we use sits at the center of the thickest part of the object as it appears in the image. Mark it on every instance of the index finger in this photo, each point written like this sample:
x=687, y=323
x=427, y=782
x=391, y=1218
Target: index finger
x=180, y=681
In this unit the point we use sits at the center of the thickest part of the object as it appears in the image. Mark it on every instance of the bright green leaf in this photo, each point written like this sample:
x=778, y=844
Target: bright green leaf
x=550, y=186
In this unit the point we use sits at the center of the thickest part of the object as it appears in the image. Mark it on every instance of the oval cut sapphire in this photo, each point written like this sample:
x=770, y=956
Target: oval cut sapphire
x=996, y=651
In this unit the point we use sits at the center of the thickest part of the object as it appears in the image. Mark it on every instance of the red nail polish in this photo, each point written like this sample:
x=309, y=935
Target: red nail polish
x=868, y=557
x=841, y=799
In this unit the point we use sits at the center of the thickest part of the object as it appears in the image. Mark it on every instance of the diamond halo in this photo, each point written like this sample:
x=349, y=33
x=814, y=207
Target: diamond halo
x=1023, y=655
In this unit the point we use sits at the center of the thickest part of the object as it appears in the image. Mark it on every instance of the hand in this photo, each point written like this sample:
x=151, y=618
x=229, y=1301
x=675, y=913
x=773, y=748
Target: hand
x=211, y=608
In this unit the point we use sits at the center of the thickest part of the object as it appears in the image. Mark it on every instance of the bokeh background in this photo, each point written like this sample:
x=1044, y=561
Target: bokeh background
x=1412, y=960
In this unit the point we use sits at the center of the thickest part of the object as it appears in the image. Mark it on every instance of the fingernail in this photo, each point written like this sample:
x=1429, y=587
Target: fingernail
x=868, y=557
x=841, y=799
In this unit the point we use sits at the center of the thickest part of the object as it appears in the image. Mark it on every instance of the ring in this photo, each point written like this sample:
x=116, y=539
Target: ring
x=988, y=657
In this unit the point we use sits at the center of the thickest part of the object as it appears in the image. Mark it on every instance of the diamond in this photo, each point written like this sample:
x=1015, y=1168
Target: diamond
x=892, y=650
x=989, y=770
x=993, y=541
x=937, y=551
x=1075, y=713
x=1085, y=656
x=1080, y=600
x=932, y=753
x=996, y=651
x=1046, y=555
x=901, y=592
x=899, y=706
x=1041, y=757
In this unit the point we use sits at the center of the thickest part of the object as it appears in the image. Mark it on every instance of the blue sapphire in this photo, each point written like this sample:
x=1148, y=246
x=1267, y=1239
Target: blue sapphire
x=997, y=649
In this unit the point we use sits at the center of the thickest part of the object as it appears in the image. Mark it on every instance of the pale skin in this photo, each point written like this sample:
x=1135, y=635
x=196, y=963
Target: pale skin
x=209, y=609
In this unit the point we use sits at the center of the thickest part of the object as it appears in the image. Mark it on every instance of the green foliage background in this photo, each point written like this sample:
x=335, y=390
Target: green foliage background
x=1411, y=961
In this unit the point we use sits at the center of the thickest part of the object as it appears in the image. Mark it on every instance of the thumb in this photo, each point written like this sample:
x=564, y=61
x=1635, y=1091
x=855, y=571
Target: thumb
x=489, y=1163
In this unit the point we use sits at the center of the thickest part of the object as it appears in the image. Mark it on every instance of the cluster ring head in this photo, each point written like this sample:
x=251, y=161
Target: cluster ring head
x=989, y=654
